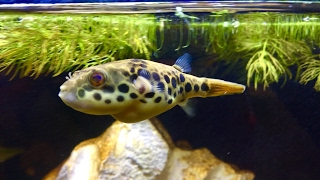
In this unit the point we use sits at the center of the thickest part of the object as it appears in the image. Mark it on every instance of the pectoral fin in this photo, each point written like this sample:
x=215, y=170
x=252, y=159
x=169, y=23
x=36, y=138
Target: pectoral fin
x=144, y=83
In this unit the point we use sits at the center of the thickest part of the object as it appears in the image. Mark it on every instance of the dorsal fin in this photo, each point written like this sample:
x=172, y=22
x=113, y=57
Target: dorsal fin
x=183, y=63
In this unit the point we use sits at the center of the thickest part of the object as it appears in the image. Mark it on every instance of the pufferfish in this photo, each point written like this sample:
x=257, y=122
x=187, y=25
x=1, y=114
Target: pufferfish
x=133, y=90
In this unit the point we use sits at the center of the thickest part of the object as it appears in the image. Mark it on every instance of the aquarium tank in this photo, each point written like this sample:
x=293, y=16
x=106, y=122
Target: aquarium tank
x=116, y=90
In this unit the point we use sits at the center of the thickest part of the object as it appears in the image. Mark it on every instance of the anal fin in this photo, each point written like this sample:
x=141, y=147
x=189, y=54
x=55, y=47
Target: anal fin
x=189, y=107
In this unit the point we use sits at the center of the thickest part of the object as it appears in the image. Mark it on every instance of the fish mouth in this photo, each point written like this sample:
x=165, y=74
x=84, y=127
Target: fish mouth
x=71, y=100
x=68, y=97
x=68, y=91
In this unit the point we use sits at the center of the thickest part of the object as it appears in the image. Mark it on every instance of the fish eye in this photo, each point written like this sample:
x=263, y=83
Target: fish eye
x=96, y=79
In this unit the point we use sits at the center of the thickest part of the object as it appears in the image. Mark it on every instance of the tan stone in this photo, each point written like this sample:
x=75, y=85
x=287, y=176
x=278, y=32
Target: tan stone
x=141, y=151
x=200, y=164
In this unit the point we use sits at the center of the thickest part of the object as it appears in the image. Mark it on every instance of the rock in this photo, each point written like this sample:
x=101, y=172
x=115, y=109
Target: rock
x=200, y=164
x=141, y=151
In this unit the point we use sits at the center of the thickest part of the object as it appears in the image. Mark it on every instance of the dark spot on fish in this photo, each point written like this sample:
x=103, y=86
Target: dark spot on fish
x=174, y=94
x=133, y=77
x=155, y=76
x=81, y=93
x=204, y=87
x=97, y=96
x=143, y=65
x=182, y=100
x=120, y=98
x=169, y=91
x=173, y=82
x=182, y=79
x=143, y=101
x=170, y=101
x=181, y=90
x=132, y=70
x=167, y=78
x=125, y=73
x=107, y=89
x=161, y=73
x=133, y=95
x=87, y=88
x=188, y=87
x=158, y=99
x=107, y=101
x=144, y=62
x=169, y=73
x=123, y=88
x=135, y=60
x=149, y=95
x=196, y=87
x=177, y=78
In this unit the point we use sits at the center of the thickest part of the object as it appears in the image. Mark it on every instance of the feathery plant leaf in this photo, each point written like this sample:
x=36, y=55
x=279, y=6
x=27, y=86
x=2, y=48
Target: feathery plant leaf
x=264, y=68
x=34, y=44
x=312, y=71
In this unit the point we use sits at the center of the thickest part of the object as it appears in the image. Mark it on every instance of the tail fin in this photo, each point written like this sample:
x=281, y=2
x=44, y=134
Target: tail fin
x=218, y=87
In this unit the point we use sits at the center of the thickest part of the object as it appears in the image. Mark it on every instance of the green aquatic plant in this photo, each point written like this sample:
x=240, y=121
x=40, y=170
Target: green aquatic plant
x=214, y=34
x=287, y=41
x=271, y=59
x=265, y=44
x=264, y=68
x=298, y=27
x=220, y=12
x=34, y=44
x=311, y=72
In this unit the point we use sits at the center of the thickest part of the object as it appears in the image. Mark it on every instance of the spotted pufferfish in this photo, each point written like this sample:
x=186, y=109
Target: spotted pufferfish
x=133, y=90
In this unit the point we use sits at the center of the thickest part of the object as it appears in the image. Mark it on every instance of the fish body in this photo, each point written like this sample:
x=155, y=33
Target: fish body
x=133, y=90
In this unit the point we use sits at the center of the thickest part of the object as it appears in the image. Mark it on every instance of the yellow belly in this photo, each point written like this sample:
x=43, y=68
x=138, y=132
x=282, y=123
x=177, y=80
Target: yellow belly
x=139, y=112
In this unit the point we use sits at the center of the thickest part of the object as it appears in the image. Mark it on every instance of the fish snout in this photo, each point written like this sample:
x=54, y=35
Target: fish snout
x=67, y=95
